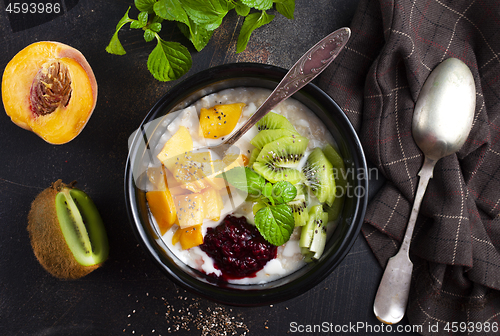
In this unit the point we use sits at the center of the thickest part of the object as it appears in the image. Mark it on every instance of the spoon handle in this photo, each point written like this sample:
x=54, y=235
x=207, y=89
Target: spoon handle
x=310, y=65
x=392, y=294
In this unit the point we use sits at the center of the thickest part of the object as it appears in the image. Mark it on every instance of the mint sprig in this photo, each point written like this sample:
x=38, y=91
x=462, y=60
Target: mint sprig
x=197, y=20
x=274, y=219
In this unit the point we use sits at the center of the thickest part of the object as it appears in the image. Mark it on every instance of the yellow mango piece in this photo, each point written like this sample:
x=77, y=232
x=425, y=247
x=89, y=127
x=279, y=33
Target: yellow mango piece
x=219, y=120
x=212, y=204
x=190, y=170
x=176, y=236
x=161, y=205
x=180, y=143
x=191, y=237
x=157, y=176
x=190, y=209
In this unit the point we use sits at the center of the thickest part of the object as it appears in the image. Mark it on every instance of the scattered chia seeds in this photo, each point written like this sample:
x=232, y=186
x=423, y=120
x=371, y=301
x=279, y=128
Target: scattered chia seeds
x=192, y=314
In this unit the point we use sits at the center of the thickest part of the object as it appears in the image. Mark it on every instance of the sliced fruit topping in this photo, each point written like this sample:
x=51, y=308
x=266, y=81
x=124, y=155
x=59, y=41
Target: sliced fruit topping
x=340, y=182
x=300, y=210
x=286, y=151
x=253, y=157
x=313, y=235
x=219, y=120
x=274, y=121
x=188, y=237
x=266, y=136
x=274, y=173
x=319, y=176
x=181, y=142
x=161, y=205
x=276, y=158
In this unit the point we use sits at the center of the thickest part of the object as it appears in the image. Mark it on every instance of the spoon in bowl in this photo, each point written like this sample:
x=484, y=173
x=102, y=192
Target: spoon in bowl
x=442, y=120
x=310, y=65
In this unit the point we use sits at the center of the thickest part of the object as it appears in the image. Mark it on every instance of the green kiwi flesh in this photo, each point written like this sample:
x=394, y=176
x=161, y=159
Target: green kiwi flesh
x=66, y=232
x=274, y=173
x=319, y=176
x=313, y=236
x=286, y=151
x=340, y=182
x=253, y=156
x=274, y=121
x=300, y=211
x=266, y=136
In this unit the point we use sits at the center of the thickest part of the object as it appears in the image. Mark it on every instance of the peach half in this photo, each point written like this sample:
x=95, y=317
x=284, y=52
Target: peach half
x=50, y=89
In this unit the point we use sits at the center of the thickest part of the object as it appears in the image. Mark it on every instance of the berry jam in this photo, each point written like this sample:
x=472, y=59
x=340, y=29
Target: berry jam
x=237, y=248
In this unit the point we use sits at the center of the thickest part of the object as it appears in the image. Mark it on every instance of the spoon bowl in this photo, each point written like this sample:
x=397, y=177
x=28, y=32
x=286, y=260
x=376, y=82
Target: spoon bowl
x=442, y=120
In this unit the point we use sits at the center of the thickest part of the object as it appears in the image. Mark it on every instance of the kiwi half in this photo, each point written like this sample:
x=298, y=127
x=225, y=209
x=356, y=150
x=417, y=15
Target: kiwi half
x=66, y=232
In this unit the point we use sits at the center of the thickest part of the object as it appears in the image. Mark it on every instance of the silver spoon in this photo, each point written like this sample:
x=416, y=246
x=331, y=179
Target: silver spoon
x=310, y=65
x=441, y=123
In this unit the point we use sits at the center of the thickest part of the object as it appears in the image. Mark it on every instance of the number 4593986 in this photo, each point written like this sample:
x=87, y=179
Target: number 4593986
x=33, y=8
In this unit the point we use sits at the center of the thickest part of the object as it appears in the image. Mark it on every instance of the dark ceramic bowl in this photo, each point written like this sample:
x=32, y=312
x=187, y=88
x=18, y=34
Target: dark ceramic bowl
x=249, y=75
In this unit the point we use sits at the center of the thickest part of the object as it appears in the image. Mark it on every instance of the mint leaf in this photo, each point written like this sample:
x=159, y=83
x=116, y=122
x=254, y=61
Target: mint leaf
x=275, y=223
x=259, y=4
x=171, y=10
x=286, y=8
x=136, y=24
x=114, y=46
x=241, y=8
x=149, y=35
x=155, y=26
x=252, y=22
x=208, y=13
x=198, y=35
x=267, y=192
x=283, y=192
x=143, y=18
x=169, y=60
x=145, y=5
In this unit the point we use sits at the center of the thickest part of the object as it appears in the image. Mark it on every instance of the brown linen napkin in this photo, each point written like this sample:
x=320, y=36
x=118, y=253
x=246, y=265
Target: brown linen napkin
x=376, y=81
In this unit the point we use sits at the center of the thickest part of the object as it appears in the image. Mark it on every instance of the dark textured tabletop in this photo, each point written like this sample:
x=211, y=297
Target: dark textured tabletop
x=129, y=295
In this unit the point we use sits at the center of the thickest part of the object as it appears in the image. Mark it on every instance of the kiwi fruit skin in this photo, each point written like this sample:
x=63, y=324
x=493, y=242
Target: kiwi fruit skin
x=47, y=240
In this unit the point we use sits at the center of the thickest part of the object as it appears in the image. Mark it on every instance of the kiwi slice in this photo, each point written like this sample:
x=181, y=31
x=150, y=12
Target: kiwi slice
x=318, y=172
x=313, y=235
x=274, y=121
x=284, y=152
x=340, y=182
x=274, y=173
x=253, y=156
x=266, y=136
x=300, y=211
x=276, y=159
x=66, y=232
x=334, y=157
